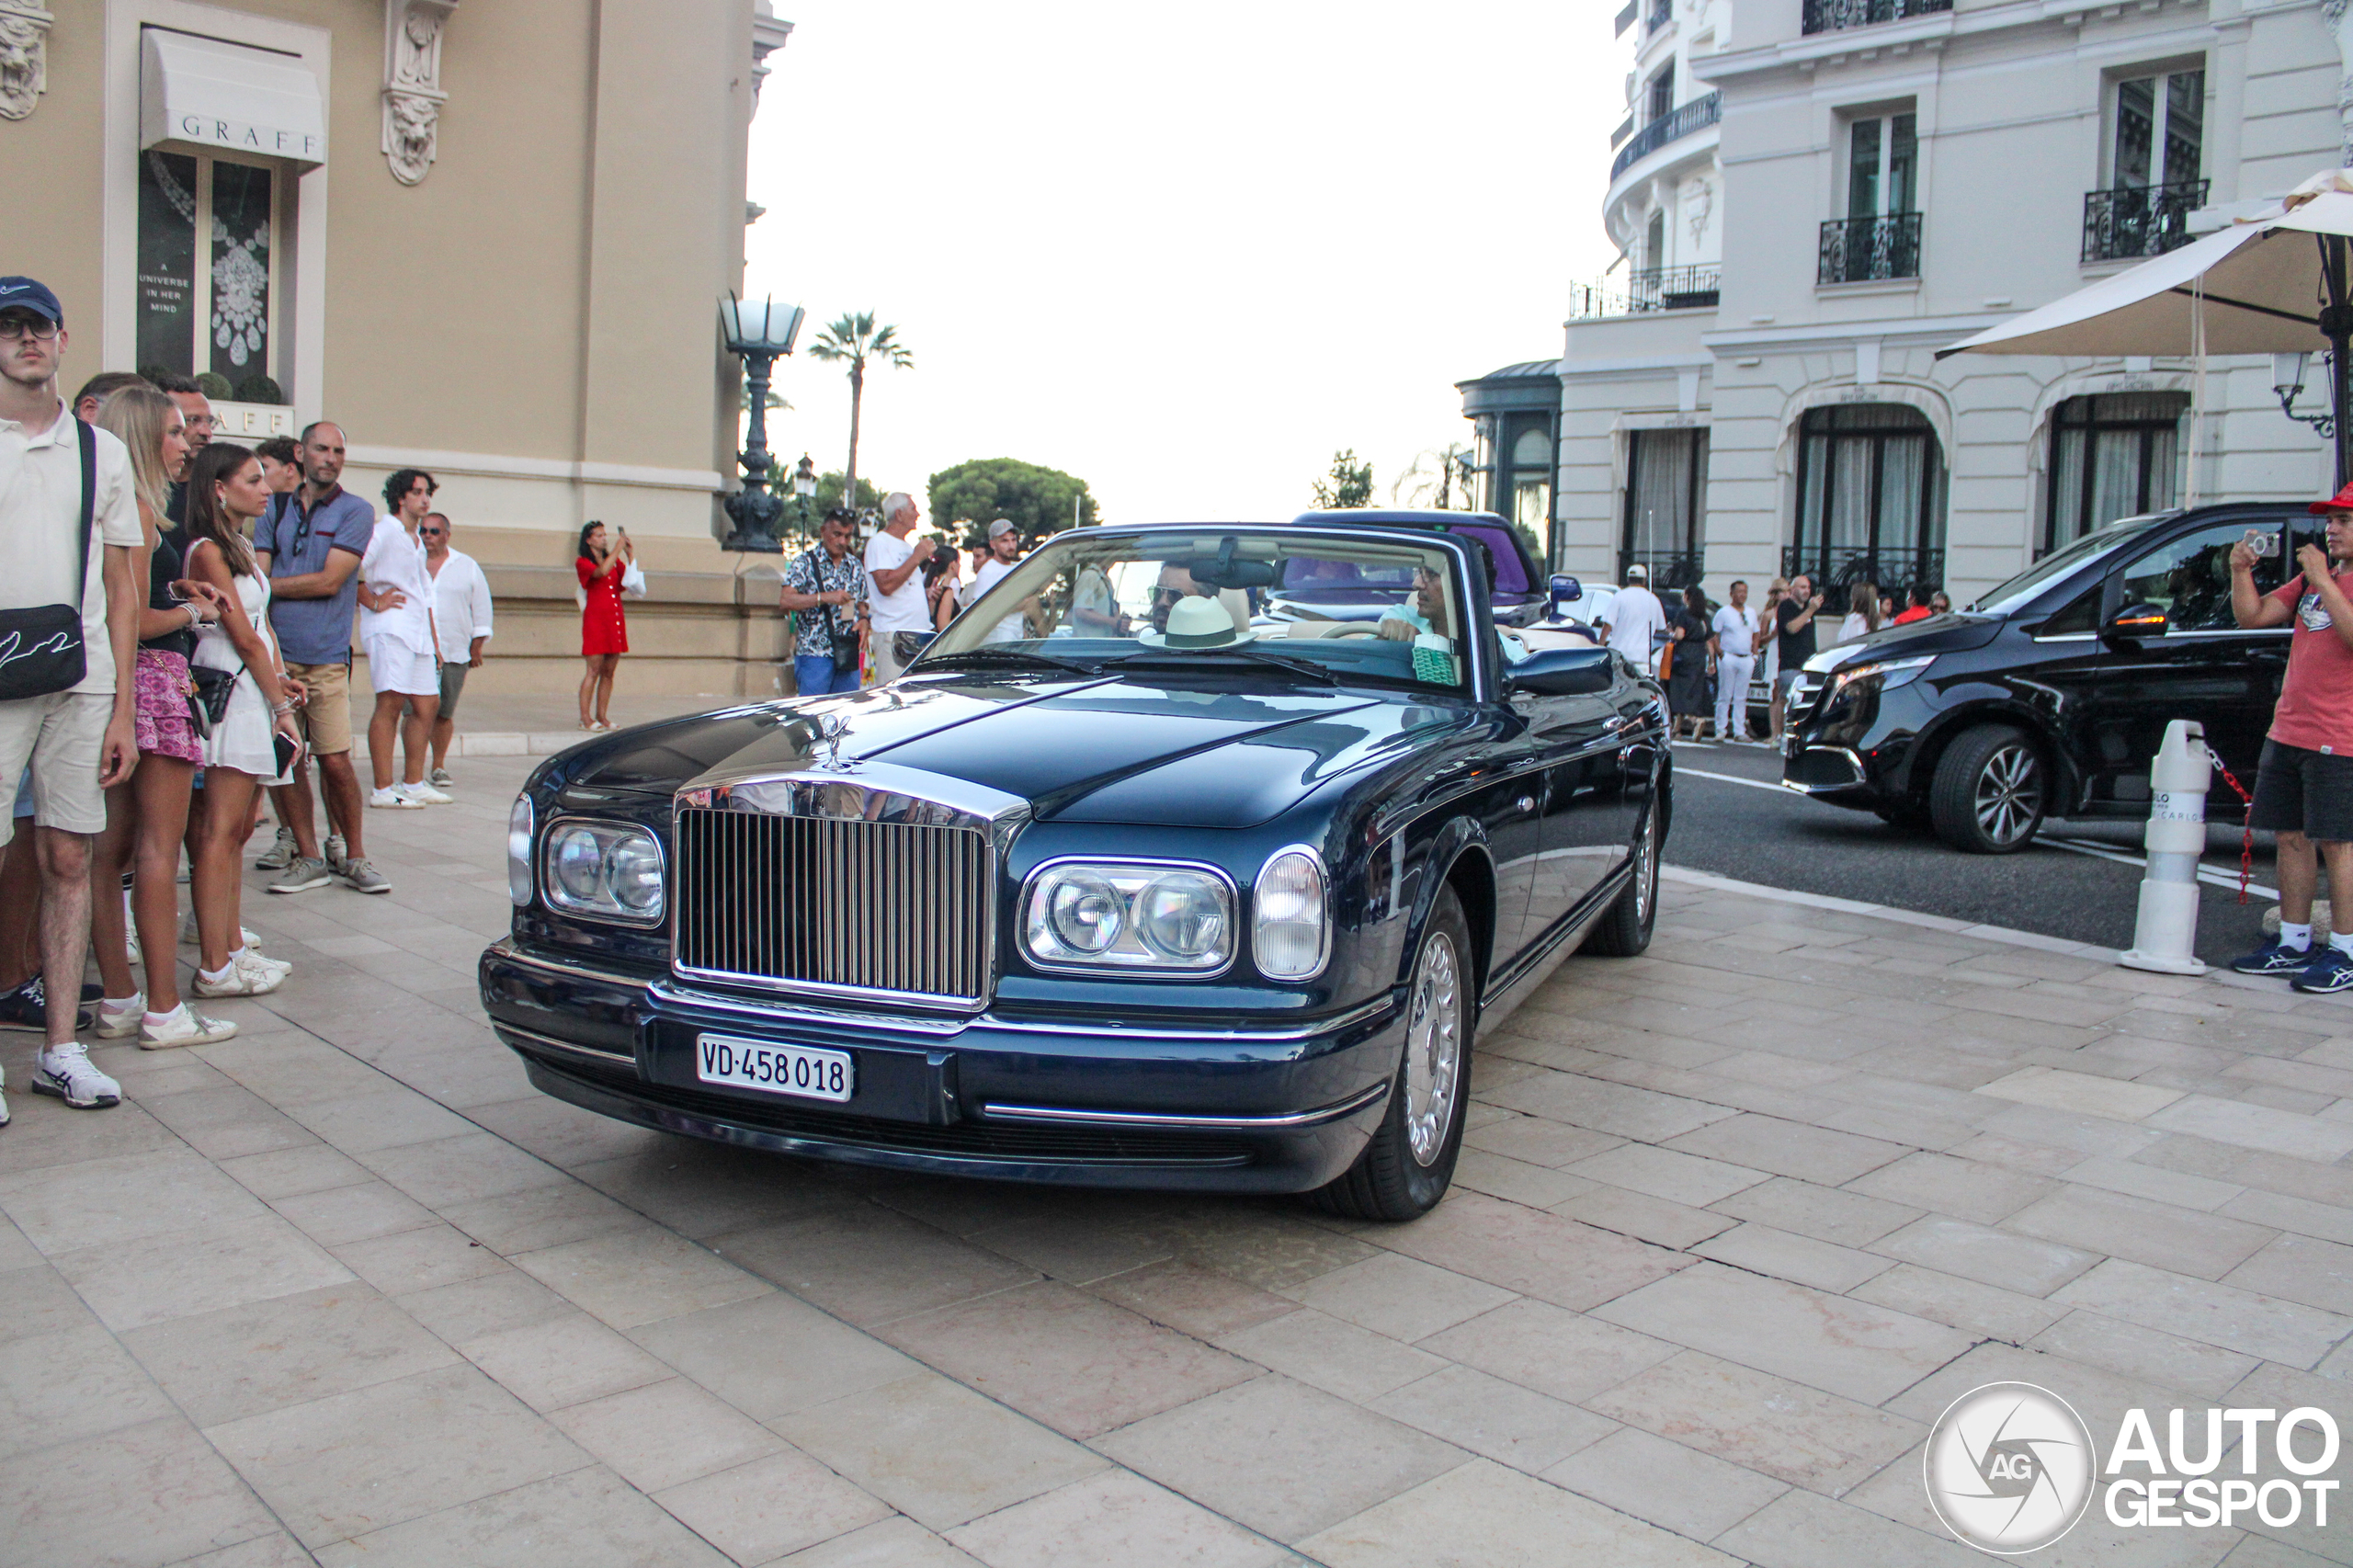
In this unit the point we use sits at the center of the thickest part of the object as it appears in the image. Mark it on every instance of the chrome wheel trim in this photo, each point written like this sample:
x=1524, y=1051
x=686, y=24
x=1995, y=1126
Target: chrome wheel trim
x=2009, y=793
x=1433, y=1047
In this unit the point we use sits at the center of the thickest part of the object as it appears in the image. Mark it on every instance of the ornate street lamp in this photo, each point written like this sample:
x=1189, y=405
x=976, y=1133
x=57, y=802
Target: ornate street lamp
x=761, y=331
x=805, y=485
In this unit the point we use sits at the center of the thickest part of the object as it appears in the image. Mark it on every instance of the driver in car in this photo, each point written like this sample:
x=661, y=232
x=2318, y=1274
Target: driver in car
x=1423, y=613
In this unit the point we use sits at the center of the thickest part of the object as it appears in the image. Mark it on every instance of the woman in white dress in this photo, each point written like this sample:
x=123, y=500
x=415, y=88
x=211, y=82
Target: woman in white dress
x=225, y=494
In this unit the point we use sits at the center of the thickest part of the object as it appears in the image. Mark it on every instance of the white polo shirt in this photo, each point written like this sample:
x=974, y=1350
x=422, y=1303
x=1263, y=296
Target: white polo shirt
x=41, y=517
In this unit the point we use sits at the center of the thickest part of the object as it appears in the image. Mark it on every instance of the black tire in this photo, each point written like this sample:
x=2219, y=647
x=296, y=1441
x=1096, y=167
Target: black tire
x=1391, y=1180
x=1625, y=931
x=1991, y=791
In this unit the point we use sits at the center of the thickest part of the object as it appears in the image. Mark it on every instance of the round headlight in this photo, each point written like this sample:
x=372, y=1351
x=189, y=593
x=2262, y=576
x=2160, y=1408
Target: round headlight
x=1086, y=914
x=1289, y=934
x=1182, y=915
x=577, y=862
x=519, y=852
x=633, y=875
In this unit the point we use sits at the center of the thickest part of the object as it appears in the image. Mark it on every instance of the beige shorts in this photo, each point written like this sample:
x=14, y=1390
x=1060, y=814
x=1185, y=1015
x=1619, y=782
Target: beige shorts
x=326, y=715
x=62, y=735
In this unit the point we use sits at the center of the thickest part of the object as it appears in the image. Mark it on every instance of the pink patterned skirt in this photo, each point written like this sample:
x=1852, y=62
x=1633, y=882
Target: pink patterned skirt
x=160, y=690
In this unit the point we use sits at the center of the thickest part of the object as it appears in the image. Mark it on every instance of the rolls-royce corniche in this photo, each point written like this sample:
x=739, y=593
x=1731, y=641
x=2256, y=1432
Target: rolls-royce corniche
x=1124, y=883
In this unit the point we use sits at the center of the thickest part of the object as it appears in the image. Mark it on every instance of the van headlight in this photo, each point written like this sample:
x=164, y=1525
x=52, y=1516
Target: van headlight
x=1143, y=916
x=604, y=870
x=519, y=852
x=1290, y=926
x=1890, y=673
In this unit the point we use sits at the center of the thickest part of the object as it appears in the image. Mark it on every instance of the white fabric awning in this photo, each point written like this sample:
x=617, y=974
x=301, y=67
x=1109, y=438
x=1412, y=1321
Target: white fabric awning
x=201, y=93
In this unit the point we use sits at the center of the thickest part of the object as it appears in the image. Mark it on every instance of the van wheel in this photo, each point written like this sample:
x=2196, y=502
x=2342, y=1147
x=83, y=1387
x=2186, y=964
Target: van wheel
x=1625, y=931
x=1406, y=1168
x=1991, y=790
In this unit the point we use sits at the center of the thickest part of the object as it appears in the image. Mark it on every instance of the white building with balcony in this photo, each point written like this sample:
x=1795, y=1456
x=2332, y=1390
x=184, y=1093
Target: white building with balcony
x=1814, y=196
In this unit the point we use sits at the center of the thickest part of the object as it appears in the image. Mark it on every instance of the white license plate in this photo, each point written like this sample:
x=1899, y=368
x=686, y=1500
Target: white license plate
x=800, y=1070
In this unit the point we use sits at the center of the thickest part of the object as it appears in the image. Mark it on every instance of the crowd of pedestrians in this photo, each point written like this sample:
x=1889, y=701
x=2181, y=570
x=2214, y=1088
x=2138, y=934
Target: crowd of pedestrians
x=176, y=637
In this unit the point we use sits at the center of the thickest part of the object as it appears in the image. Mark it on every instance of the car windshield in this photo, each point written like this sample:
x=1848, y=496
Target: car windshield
x=1176, y=597
x=2016, y=594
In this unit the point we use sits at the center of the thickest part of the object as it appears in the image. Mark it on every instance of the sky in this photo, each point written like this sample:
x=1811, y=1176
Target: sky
x=1188, y=253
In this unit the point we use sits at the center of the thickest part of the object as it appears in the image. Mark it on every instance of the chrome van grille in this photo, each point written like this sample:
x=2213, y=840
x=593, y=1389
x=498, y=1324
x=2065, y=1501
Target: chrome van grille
x=895, y=908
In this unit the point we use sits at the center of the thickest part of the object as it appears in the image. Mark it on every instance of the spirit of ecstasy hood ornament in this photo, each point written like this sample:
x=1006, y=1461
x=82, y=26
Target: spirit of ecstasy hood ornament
x=832, y=728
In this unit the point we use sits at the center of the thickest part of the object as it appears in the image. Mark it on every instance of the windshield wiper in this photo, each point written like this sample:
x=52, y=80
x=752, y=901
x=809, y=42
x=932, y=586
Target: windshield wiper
x=1011, y=656
x=1174, y=656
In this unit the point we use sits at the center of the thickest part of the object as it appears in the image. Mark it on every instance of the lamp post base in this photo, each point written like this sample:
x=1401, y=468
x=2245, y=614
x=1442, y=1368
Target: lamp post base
x=755, y=512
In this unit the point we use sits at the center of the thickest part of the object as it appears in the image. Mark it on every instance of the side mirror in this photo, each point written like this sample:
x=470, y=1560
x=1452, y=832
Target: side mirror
x=1561, y=671
x=1565, y=590
x=2136, y=620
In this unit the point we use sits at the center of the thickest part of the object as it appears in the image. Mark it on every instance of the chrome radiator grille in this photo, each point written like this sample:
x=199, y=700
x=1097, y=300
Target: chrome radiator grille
x=885, y=907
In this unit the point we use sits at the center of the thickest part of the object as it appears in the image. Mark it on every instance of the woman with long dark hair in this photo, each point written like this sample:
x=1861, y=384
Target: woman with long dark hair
x=147, y=816
x=225, y=494
x=1687, y=681
x=1863, y=613
x=604, y=629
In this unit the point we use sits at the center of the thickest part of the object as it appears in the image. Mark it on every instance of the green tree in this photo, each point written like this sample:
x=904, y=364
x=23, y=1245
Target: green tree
x=853, y=340
x=829, y=493
x=1038, y=501
x=1348, y=486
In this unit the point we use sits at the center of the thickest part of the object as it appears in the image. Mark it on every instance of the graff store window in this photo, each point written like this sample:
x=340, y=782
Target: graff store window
x=211, y=265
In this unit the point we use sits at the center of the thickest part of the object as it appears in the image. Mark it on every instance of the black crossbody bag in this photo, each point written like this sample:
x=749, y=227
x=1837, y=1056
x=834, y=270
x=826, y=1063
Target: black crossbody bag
x=41, y=648
x=842, y=640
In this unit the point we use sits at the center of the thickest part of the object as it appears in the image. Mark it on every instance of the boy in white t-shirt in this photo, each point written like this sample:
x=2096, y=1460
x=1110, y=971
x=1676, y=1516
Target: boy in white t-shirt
x=397, y=634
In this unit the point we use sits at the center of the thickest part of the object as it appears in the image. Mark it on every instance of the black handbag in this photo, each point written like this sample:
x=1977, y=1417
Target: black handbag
x=211, y=703
x=40, y=647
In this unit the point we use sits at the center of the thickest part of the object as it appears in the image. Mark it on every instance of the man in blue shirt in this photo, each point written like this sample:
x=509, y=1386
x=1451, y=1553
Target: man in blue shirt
x=311, y=543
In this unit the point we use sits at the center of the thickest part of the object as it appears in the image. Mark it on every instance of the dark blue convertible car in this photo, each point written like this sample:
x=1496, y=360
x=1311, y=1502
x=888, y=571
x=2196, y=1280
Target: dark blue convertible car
x=1124, y=884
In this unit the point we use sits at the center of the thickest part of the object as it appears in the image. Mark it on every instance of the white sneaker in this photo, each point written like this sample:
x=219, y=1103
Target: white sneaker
x=182, y=1025
x=238, y=980
x=258, y=963
x=66, y=1071
x=421, y=790
x=393, y=797
x=121, y=1023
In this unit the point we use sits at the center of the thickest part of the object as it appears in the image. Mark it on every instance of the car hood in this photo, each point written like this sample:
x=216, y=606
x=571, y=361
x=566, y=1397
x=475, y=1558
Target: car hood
x=1938, y=634
x=1079, y=750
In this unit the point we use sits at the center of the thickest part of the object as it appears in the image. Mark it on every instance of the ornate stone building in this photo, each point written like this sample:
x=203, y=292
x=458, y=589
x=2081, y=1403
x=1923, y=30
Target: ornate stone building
x=487, y=237
x=1814, y=196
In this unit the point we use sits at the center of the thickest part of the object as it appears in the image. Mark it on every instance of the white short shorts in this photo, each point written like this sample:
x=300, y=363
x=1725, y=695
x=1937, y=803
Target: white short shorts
x=395, y=666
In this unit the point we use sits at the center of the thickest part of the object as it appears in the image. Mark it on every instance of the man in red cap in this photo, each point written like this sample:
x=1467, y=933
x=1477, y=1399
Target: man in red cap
x=2304, y=787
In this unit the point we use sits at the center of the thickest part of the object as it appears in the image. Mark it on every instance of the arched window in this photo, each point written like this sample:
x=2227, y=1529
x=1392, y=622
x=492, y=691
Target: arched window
x=2112, y=455
x=1871, y=497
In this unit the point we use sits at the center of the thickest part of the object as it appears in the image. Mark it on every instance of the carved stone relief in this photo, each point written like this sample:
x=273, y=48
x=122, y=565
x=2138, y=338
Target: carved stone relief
x=24, y=57
x=413, y=94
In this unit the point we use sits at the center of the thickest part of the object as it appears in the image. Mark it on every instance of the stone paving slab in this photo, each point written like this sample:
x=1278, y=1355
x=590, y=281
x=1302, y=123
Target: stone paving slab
x=1736, y=1221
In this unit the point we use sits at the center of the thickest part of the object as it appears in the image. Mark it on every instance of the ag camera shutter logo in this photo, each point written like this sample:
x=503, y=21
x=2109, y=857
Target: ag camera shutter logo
x=2009, y=1468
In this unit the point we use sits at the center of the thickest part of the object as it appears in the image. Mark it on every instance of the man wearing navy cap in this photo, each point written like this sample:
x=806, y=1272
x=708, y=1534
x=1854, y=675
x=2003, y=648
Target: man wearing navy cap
x=2304, y=787
x=55, y=472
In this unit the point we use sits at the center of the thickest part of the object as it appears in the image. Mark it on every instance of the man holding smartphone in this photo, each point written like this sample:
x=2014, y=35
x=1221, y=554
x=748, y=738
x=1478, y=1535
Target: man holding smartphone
x=2304, y=787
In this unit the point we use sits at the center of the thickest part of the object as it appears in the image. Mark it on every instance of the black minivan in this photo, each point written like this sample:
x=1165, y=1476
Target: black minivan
x=2051, y=695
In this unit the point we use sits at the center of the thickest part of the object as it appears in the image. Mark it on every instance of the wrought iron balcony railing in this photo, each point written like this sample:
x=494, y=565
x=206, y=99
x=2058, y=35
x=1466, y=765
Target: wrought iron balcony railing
x=1679, y=121
x=1861, y=250
x=1661, y=289
x=1830, y=16
x=1836, y=569
x=2131, y=221
x=1671, y=570
x=1662, y=13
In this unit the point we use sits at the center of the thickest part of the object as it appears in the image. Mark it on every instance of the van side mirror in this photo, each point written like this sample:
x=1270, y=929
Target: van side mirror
x=1565, y=590
x=1561, y=671
x=2136, y=620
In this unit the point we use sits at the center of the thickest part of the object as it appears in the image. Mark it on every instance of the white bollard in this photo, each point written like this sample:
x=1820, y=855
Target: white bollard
x=2164, y=935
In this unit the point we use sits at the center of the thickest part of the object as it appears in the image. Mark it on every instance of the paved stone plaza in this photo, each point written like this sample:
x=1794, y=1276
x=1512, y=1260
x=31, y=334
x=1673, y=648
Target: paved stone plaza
x=1737, y=1221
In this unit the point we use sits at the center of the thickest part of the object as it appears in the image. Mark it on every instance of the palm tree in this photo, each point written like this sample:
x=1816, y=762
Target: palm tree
x=854, y=339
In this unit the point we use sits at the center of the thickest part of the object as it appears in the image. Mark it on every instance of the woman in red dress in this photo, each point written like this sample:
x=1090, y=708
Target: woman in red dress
x=604, y=629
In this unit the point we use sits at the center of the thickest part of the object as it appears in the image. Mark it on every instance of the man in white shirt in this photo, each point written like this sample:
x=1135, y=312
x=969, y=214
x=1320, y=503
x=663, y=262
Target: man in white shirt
x=461, y=625
x=1733, y=640
x=396, y=633
x=1634, y=616
x=895, y=569
x=1004, y=554
x=78, y=737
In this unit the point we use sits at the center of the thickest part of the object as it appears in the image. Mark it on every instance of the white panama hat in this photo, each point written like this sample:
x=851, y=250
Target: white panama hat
x=1195, y=623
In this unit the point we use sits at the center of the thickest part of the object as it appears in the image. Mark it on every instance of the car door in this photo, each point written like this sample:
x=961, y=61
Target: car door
x=2205, y=666
x=1585, y=820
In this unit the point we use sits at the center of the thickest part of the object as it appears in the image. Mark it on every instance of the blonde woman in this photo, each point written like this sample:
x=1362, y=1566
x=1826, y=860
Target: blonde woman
x=1863, y=613
x=147, y=816
x=225, y=494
